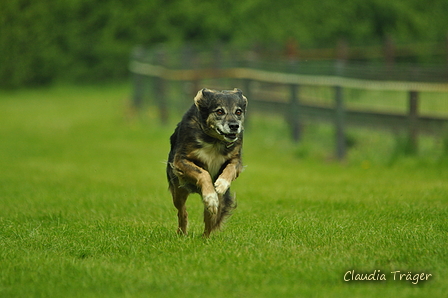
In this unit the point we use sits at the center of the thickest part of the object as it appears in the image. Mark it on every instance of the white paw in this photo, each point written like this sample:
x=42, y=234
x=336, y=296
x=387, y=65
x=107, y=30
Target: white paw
x=211, y=203
x=221, y=186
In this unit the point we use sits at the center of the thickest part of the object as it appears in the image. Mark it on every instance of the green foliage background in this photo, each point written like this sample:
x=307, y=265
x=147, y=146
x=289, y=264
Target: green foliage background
x=90, y=40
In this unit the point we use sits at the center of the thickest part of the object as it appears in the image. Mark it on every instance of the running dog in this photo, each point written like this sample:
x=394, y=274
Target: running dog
x=205, y=155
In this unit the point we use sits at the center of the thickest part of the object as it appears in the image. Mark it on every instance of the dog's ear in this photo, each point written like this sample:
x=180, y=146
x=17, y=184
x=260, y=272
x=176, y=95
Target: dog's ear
x=240, y=93
x=245, y=101
x=199, y=98
x=202, y=96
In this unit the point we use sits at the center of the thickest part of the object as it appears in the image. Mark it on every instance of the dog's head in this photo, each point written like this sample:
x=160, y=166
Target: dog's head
x=222, y=113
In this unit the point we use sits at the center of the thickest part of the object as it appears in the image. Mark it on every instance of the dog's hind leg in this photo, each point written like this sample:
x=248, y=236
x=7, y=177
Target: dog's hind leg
x=179, y=198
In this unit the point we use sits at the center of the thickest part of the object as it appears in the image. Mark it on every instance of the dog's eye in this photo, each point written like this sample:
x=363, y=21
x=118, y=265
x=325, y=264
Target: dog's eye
x=220, y=112
x=238, y=112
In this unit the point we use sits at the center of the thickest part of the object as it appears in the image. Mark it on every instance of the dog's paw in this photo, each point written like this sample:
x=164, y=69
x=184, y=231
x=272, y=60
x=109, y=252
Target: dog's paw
x=221, y=186
x=211, y=203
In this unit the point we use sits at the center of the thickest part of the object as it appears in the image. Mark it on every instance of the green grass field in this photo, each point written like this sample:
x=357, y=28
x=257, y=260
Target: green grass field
x=85, y=210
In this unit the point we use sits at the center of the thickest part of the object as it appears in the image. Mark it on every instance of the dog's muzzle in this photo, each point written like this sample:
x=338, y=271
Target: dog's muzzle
x=232, y=134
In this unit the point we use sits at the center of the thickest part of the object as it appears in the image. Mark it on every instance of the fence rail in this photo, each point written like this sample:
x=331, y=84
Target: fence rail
x=279, y=78
x=294, y=109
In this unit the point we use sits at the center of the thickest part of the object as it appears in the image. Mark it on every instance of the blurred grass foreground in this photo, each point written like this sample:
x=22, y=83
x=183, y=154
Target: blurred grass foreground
x=85, y=210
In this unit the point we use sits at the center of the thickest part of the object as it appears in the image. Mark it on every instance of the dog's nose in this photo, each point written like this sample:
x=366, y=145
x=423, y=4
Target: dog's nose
x=234, y=127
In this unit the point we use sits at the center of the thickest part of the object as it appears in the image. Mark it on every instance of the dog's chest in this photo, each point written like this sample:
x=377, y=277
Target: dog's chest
x=211, y=156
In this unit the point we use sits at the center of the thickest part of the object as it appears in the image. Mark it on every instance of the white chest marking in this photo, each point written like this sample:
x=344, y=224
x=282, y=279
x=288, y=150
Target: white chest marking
x=210, y=155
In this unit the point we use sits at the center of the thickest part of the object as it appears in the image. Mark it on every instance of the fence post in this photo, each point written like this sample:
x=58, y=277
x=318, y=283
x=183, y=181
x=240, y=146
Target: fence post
x=190, y=61
x=341, y=57
x=187, y=89
x=138, y=80
x=247, y=92
x=217, y=55
x=389, y=50
x=413, y=121
x=160, y=88
x=340, y=123
x=446, y=55
x=293, y=113
x=217, y=60
x=293, y=54
x=247, y=89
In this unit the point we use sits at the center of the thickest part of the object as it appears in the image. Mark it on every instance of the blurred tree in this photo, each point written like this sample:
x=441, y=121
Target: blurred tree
x=90, y=40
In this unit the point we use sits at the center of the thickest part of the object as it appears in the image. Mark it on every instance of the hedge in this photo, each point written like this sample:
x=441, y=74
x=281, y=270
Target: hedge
x=90, y=40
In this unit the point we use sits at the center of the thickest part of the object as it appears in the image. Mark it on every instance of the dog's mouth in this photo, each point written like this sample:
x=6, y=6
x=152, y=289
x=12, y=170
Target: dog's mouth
x=231, y=137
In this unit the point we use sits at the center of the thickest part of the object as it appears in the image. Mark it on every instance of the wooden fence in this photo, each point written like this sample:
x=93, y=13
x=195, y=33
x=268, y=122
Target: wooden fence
x=294, y=109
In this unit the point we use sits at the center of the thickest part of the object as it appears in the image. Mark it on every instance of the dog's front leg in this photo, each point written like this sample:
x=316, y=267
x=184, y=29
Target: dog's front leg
x=230, y=173
x=188, y=171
